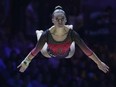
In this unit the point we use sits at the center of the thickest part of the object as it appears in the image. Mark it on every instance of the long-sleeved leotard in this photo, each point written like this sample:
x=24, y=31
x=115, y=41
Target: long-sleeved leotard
x=60, y=48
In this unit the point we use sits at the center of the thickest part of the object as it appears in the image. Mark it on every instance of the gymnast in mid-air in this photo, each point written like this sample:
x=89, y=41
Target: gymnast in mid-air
x=59, y=42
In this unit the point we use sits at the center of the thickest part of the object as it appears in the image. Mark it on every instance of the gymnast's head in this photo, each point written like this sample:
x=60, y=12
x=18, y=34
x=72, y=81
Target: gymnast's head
x=59, y=17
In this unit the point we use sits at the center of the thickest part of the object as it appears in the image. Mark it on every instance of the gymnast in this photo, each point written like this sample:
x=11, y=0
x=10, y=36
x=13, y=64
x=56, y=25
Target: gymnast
x=59, y=42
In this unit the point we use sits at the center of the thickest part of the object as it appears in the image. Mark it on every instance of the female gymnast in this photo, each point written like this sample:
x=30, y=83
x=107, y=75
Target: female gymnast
x=59, y=42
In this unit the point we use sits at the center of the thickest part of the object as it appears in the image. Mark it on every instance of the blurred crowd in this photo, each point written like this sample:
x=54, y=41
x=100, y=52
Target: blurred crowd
x=18, y=22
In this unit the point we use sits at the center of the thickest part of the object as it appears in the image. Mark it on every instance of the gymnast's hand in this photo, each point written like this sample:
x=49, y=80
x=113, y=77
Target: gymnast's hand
x=23, y=65
x=103, y=67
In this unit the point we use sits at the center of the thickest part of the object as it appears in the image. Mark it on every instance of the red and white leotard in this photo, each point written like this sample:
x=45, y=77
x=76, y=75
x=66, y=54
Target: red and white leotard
x=60, y=48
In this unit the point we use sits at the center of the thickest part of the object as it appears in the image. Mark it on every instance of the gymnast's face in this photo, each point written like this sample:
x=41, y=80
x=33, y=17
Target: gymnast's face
x=59, y=19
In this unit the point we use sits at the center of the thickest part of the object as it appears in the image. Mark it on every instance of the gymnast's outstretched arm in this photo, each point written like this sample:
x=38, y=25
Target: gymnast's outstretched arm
x=102, y=66
x=25, y=63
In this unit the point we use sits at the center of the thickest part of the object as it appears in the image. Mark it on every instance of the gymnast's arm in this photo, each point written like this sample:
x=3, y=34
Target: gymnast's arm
x=102, y=66
x=25, y=63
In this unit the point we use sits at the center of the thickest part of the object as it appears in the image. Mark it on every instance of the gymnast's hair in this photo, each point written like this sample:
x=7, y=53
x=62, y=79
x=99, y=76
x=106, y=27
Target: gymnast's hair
x=58, y=9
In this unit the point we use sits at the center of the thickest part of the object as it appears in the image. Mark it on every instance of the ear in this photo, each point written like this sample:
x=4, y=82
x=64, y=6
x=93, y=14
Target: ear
x=52, y=20
x=65, y=20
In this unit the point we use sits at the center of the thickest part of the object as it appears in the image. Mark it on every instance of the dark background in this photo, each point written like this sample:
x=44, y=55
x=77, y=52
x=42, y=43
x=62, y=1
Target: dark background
x=94, y=20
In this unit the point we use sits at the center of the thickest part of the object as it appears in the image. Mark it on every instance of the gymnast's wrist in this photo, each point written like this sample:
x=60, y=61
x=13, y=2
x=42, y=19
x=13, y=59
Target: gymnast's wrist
x=30, y=56
x=26, y=61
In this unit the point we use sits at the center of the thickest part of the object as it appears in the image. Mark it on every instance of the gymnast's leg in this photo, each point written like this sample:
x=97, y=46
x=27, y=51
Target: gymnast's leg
x=72, y=50
x=44, y=49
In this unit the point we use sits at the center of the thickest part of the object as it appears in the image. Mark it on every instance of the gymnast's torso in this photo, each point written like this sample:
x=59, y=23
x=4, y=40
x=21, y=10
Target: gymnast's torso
x=58, y=48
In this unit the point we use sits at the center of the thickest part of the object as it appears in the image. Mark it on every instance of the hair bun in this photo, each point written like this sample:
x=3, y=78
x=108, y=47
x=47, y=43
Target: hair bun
x=58, y=7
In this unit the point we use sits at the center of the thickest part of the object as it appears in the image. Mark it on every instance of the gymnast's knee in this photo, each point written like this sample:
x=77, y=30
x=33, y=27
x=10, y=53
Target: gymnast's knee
x=39, y=33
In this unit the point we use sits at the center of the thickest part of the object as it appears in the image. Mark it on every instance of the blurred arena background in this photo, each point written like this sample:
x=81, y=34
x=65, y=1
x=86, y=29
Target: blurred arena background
x=94, y=20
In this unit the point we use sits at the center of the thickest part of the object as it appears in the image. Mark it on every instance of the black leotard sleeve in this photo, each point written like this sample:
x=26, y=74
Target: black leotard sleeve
x=40, y=43
x=81, y=43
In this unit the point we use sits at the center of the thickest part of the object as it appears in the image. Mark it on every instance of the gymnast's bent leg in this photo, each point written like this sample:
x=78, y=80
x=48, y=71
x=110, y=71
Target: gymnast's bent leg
x=72, y=50
x=44, y=49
